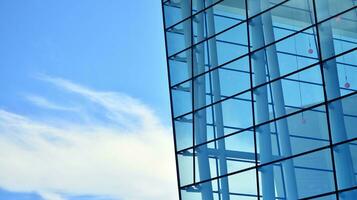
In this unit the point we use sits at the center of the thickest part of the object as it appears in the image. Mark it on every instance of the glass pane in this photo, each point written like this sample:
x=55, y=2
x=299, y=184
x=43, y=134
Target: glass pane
x=222, y=82
x=294, y=53
x=180, y=67
x=297, y=91
x=226, y=155
x=231, y=44
x=313, y=172
x=219, y=16
x=174, y=12
x=237, y=113
x=199, y=25
x=243, y=185
x=185, y=166
x=339, y=76
x=338, y=35
x=201, y=58
x=235, y=77
x=346, y=164
x=297, y=51
x=328, y=197
x=225, y=17
x=293, y=135
x=205, y=190
x=343, y=118
x=226, y=117
x=204, y=4
x=348, y=194
x=302, y=89
x=182, y=99
x=179, y=37
x=263, y=4
x=184, y=132
x=326, y=9
x=281, y=21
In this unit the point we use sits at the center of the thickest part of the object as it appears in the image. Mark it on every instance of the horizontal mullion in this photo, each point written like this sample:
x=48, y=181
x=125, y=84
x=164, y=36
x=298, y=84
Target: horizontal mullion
x=281, y=52
x=258, y=49
x=273, y=120
x=225, y=30
x=193, y=15
x=266, y=83
x=247, y=54
x=269, y=163
x=330, y=193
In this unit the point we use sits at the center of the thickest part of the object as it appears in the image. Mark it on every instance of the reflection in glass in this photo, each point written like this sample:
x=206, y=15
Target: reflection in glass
x=266, y=88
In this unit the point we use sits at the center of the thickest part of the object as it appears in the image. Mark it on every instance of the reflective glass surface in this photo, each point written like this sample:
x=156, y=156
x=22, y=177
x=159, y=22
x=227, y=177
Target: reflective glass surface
x=264, y=98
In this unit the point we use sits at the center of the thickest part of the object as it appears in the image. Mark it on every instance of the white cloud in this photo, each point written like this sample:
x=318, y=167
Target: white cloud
x=50, y=196
x=44, y=103
x=134, y=160
x=121, y=108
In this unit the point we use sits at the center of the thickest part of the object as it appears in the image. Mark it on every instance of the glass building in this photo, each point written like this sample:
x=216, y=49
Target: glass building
x=263, y=98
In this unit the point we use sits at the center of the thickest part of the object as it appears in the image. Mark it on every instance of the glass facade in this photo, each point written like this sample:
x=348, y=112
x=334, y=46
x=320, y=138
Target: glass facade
x=263, y=98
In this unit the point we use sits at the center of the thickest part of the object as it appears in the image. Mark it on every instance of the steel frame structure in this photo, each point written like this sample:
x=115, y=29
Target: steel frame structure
x=265, y=91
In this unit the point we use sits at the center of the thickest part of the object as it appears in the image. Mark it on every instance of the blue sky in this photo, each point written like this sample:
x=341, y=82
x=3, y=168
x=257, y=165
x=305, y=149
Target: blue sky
x=107, y=45
x=84, y=103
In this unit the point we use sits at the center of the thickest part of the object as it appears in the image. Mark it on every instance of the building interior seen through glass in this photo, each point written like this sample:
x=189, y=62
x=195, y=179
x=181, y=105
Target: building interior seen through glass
x=263, y=96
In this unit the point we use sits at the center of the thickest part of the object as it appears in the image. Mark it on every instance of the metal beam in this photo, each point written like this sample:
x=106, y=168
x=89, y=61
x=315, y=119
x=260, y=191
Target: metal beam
x=279, y=105
x=261, y=99
x=216, y=90
x=342, y=154
x=199, y=100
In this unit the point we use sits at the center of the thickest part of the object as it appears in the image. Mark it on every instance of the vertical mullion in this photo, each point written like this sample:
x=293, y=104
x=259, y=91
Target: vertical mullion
x=192, y=95
x=171, y=102
x=325, y=97
x=252, y=100
x=211, y=98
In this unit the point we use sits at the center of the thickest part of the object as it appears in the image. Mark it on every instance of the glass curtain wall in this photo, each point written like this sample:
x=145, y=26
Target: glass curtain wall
x=263, y=98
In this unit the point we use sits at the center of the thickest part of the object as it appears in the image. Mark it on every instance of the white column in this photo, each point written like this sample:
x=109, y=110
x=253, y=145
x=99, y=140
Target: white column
x=344, y=164
x=216, y=90
x=279, y=105
x=199, y=88
x=261, y=101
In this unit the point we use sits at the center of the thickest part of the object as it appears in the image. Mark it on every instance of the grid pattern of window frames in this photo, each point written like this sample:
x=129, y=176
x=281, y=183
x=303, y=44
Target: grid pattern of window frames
x=263, y=98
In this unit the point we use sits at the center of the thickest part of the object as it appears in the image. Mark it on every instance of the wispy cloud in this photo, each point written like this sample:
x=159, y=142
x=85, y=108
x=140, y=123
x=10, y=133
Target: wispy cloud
x=45, y=103
x=134, y=160
x=121, y=108
x=51, y=196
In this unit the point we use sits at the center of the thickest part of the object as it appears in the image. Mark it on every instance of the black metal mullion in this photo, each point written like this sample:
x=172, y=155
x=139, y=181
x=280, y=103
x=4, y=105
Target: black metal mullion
x=325, y=97
x=171, y=103
x=278, y=118
x=252, y=102
x=194, y=76
x=260, y=48
x=274, y=161
x=212, y=112
x=193, y=15
x=260, y=85
x=193, y=94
